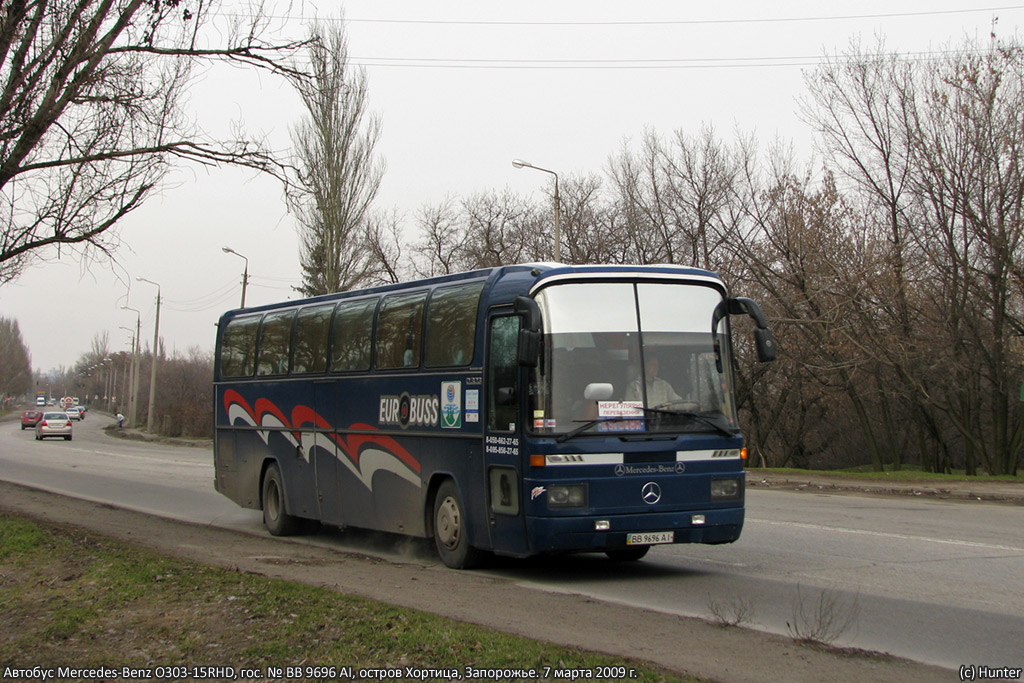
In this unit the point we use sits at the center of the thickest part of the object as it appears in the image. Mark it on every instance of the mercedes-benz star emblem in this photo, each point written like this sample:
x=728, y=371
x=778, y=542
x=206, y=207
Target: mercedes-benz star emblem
x=651, y=493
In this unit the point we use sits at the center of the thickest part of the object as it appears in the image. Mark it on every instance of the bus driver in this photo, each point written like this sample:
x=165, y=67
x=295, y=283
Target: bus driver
x=659, y=391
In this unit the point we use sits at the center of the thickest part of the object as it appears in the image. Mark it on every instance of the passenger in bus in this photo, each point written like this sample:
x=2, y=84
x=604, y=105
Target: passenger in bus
x=659, y=391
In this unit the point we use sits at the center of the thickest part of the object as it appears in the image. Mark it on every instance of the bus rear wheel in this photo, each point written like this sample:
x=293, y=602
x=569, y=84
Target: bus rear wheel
x=627, y=554
x=450, y=534
x=275, y=514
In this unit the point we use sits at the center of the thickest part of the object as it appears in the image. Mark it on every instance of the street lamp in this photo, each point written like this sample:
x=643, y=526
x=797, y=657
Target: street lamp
x=245, y=273
x=133, y=400
x=557, y=247
x=129, y=377
x=156, y=341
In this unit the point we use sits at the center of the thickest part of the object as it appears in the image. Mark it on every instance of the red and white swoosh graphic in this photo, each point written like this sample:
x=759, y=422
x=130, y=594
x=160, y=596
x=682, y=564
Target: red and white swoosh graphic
x=364, y=454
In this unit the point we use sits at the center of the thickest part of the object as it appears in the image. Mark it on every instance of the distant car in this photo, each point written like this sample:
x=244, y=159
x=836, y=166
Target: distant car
x=75, y=413
x=30, y=418
x=54, y=424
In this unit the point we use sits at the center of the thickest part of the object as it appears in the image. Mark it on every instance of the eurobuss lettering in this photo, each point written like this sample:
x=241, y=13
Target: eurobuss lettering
x=405, y=410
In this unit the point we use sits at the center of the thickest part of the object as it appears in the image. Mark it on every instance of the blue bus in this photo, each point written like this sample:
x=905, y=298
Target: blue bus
x=518, y=410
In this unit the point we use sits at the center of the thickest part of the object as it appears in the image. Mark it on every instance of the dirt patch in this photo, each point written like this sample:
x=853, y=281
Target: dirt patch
x=135, y=435
x=685, y=645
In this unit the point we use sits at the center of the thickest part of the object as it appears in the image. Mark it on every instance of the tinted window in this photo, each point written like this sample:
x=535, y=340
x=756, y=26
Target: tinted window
x=451, y=325
x=399, y=327
x=238, y=347
x=311, y=329
x=275, y=338
x=353, y=333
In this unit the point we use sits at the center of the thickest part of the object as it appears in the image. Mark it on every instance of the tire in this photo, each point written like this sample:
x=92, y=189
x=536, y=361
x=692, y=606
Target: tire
x=275, y=510
x=450, y=536
x=627, y=554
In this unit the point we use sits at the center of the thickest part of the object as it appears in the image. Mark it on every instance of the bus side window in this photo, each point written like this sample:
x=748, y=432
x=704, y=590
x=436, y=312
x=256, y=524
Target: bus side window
x=311, y=330
x=502, y=371
x=238, y=347
x=275, y=343
x=451, y=325
x=400, y=331
x=352, y=335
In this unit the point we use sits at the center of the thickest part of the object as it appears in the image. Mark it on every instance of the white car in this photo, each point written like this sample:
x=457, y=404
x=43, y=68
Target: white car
x=54, y=424
x=75, y=413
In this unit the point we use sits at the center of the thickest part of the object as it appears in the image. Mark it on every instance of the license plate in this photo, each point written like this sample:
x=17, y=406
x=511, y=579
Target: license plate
x=651, y=538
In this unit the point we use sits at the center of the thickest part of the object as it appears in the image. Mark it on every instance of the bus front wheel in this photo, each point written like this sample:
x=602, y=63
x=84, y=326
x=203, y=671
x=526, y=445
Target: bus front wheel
x=275, y=514
x=450, y=534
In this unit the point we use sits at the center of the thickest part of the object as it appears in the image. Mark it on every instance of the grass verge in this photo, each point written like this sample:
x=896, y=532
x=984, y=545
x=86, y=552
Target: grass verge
x=908, y=474
x=72, y=599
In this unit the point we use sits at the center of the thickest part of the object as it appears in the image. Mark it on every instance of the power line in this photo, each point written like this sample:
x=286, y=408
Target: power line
x=654, y=22
x=645, y=63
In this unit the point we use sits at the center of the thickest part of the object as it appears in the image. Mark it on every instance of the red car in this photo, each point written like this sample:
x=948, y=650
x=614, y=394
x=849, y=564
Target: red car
x=30, y=418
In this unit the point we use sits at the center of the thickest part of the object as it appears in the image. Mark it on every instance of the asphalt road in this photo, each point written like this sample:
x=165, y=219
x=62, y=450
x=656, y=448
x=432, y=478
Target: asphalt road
x=940, y=582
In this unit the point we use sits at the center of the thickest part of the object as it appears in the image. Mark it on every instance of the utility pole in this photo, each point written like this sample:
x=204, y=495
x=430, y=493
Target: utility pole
x=156, y=346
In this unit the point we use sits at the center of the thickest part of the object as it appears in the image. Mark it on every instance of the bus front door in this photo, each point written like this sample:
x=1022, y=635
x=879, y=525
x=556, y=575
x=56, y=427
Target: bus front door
x=502, y=432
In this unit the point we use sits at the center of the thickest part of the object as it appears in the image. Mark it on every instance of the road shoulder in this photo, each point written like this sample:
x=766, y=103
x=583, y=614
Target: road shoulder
x=681, y=644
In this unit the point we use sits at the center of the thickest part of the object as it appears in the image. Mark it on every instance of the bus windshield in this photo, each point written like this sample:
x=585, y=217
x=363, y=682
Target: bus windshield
x=628, y=357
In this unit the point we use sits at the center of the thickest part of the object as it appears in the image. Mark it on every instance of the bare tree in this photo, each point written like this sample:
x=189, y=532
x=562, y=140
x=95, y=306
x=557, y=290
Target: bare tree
x=442, y=245
x=592, y=231
x=339, y=175
x=501, y=229
x=679, y=198
x=934, y=151
x=385, y=244
x=186, y=390
x=91, y=114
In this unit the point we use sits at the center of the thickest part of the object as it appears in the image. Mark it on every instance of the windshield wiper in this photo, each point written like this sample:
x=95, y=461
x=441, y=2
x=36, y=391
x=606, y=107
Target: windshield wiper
x=663, y=409
x=660, y=410
x=588, y=424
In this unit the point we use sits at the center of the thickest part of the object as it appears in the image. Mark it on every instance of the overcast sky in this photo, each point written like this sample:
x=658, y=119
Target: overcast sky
x=463, y=88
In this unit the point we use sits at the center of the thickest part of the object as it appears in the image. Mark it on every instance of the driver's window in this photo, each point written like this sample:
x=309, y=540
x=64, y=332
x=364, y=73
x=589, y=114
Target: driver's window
x=502, y=374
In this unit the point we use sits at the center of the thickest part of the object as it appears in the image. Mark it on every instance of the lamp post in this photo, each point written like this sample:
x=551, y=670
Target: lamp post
x=556, y=251
x=111, y=380
x=129, y=375
x=245, y=273
x=156, y=341
x=133, y=402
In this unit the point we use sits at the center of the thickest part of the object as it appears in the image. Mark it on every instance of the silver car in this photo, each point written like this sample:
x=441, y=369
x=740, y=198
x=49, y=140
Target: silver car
x=54, y=424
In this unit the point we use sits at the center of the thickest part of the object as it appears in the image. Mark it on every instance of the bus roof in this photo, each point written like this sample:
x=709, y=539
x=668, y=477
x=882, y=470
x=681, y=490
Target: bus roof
x=524, y=277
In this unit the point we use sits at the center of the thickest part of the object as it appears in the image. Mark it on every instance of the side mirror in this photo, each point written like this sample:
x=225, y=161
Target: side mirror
x=530, y=335
x=529, y=348
x=764, y=340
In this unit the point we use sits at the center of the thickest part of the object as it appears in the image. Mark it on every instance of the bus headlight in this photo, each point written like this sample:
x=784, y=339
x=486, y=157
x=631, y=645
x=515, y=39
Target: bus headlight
x=571, y=496
x=726, y=488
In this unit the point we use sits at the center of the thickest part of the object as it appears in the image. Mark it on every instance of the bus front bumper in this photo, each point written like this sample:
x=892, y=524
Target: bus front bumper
x=553, y=534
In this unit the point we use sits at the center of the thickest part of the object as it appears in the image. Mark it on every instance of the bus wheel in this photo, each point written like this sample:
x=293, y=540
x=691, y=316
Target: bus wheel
x=275, y=517
x=629, y=554
x=450, y=530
